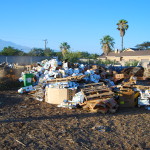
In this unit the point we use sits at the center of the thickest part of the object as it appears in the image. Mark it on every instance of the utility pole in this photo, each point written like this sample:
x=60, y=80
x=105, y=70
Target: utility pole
x=45, y=43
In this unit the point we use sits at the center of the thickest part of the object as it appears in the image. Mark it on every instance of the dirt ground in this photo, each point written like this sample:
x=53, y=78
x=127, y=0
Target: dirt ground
x=26, y=123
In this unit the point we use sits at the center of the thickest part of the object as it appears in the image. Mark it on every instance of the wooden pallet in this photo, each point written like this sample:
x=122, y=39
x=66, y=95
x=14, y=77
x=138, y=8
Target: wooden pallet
x=96, y=91
x=93, y=104
x=96, y=96
x=100, y=105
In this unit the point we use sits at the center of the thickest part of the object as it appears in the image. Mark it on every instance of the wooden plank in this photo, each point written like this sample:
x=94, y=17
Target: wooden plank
x=92, y=104
x=94, y=84
x=93, y=88
x=96, y=91
x=95, y=104
x=96, y=101
x=92, y=93
x=70, y=78
x=87, y=92
x=100, y=95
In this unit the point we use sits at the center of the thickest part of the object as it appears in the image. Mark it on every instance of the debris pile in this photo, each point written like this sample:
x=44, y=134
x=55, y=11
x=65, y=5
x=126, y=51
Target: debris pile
x=9, y=77
x=91, y=87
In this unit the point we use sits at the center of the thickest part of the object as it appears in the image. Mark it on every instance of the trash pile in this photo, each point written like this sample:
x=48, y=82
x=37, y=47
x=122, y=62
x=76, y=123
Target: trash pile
x=9, y=77
x=71, y=86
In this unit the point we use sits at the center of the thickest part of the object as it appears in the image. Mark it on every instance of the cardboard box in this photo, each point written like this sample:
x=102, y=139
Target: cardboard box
x=127, y=99
x=118, y=76
x=57, y=96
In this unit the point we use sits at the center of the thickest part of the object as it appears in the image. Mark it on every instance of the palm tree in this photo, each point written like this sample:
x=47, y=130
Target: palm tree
x=122, y=26
x=107, y=43
x=143, y=46
x=64, y=48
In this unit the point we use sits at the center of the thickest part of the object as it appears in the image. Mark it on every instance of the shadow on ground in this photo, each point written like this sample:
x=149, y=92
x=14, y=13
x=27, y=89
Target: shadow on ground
x=9, y=100
x=123, y=111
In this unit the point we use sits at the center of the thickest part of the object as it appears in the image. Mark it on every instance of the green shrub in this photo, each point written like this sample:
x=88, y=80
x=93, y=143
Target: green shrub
x=106, y=62
x=131, y=63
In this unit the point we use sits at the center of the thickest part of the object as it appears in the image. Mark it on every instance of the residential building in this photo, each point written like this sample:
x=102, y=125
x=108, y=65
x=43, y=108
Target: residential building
x=130, y=54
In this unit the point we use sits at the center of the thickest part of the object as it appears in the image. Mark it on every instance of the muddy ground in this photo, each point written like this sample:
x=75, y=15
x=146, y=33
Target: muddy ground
x=26, y=123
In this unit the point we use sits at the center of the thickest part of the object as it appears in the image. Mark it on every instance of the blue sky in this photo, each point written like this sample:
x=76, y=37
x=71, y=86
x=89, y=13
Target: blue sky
x=81, y=23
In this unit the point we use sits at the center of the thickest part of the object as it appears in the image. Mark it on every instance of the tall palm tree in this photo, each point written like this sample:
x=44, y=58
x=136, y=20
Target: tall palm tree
x=122, y=26
x=107, y=43
x=64, y=48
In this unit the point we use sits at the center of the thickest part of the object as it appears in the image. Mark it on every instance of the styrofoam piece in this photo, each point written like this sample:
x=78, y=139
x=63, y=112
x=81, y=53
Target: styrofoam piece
x=82, y=66
x=46, y=65
x=62, y=71
x=76, y=70
x=39, y=99
x=78, y=98
x=77, y=74
x=26, y=89
x=53, y=63
x=46, y=72
x=21, y=79
x=87, y=72
x=65, y=65
x=144, y=99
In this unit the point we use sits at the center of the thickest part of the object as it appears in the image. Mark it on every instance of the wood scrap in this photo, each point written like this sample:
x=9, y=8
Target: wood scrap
x=70, y=78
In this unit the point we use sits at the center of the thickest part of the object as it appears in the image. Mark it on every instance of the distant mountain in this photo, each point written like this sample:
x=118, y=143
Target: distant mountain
x=14, y=45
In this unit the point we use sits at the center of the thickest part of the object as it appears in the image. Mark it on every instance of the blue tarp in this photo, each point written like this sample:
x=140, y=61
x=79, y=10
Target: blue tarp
x=120, y=68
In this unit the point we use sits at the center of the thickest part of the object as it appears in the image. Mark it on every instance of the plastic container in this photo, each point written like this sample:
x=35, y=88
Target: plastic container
x=27, y=78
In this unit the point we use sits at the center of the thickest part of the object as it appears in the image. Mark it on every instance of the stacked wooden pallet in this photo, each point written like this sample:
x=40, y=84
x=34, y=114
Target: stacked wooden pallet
x=98, y=98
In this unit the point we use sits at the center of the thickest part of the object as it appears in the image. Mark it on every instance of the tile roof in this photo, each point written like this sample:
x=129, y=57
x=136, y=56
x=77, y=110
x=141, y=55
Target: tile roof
x=128, y=53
